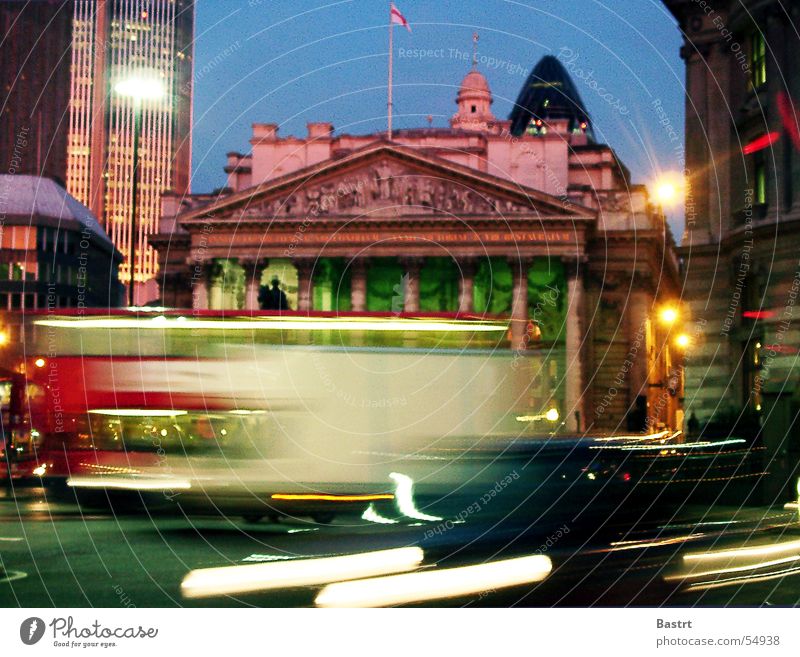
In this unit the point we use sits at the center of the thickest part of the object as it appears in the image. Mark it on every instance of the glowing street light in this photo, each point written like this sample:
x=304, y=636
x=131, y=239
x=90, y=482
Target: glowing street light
x=683, y=341
x=668, y=315
x=668, y=190
x=551, y=415
x=139, y=87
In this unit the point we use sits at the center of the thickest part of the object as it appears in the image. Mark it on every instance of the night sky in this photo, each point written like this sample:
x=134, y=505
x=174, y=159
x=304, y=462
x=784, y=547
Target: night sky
x=297, y=61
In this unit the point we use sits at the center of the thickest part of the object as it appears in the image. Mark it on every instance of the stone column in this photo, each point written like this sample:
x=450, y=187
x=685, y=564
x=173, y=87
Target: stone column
x=574, y=415
x=305, y=284
x=411, y=267
x=253, y=272
x=466, y=285
x=200, y=282
x=519, y=303
x=358, y=285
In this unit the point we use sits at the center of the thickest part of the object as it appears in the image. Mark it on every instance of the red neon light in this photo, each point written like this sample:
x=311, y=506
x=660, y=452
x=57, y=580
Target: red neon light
x=758, y=314
x=780, y=348
x=764, y=141
x=790, y=118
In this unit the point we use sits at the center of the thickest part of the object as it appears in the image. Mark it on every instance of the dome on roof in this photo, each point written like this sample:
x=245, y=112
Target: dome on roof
x=33, y=196
x=549, y=93
x=474, y=104
x=474, y=85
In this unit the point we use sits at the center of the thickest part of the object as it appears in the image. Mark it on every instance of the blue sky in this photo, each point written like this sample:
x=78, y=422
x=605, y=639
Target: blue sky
x=291, y=62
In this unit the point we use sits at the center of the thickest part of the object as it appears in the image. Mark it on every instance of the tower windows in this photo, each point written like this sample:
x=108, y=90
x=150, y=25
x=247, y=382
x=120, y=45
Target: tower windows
x=758, y=60
x=760, y=179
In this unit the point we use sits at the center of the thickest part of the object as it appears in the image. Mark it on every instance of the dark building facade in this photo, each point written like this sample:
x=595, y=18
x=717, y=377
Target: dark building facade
x=741, y=249
x=53, y=252
x=62, y=119
x=35, y=56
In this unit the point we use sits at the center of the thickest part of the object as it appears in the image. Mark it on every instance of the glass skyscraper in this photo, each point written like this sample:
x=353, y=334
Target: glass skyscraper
x=114, y=40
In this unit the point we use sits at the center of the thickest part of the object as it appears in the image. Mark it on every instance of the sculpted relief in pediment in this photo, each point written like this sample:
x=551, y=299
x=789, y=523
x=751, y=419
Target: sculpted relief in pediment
x=385, y=188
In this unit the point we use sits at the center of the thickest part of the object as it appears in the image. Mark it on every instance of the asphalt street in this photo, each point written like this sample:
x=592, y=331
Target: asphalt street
x=55, y=554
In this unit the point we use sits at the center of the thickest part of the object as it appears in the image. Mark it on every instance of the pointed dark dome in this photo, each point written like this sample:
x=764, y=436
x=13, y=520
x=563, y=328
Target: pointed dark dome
x=549, y=93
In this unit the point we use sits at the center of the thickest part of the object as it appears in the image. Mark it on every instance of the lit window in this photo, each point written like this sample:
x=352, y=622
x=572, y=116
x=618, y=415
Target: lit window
x=758, y=60
x=760, y=182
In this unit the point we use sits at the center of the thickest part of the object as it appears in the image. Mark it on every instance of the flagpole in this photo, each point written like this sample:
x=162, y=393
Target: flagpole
x=391, y=58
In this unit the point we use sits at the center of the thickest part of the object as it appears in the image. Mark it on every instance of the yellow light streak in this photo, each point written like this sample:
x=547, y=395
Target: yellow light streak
x=273, y=324
x=747, y=552
x=331, y=498
x=551, y=416
x=138, y=412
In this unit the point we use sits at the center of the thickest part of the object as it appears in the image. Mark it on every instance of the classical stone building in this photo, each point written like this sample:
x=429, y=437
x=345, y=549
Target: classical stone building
x=741, y=249
x=544, y=227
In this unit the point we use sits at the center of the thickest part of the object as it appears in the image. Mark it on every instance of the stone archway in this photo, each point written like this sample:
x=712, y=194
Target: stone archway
x=386, y=281
x=285, y=271
x=227, y=288
x=438, y=285
x=493, y=286
x=332, y=279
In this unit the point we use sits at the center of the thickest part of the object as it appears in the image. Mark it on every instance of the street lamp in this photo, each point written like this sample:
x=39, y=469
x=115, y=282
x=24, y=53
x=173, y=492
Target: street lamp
x=139, y=87
x=668, y=315
x=668, y=189
x=683, y=341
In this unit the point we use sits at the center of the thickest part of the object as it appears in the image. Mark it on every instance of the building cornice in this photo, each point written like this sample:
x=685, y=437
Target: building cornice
x=318, y=173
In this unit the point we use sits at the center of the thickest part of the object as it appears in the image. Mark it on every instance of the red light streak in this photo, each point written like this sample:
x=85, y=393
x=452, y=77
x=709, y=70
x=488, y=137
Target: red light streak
x=790, y=118
x=758, y=314
x=762, y=142
x=780, y=348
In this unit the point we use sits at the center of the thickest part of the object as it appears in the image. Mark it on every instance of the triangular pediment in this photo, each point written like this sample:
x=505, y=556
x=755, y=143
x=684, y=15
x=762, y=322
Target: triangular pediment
x=386, y=180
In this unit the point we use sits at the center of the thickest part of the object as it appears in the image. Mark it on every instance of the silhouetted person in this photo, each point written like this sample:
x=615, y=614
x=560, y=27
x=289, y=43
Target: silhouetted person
x=273, y=299
x=693, y=425
x=637, y=416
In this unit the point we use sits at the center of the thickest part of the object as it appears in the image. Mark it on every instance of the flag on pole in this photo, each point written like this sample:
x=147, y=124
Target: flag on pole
x=398, y=18
x=395, y=18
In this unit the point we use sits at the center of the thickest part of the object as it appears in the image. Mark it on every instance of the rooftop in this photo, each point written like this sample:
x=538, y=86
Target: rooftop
x=34, y=197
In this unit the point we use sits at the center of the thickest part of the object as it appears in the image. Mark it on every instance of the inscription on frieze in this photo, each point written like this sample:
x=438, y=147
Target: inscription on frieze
x=372, y=236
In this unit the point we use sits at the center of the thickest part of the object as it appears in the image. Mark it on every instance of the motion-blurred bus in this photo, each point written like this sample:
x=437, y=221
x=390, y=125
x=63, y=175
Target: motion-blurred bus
x=264, y=414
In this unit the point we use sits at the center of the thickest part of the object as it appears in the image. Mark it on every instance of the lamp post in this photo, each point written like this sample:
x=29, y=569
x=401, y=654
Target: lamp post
x=139, y=88
x=674, y=347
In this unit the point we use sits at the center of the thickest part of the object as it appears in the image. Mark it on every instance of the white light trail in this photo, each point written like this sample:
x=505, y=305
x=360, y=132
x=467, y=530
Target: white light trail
x=435, y=584
x=232, y=580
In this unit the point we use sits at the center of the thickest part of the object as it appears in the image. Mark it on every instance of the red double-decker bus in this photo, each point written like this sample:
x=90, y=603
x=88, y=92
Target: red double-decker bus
x=299, y=410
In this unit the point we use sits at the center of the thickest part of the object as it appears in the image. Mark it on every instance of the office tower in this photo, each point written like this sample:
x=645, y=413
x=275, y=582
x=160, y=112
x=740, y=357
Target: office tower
x=34, y=103
x=116, y=40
